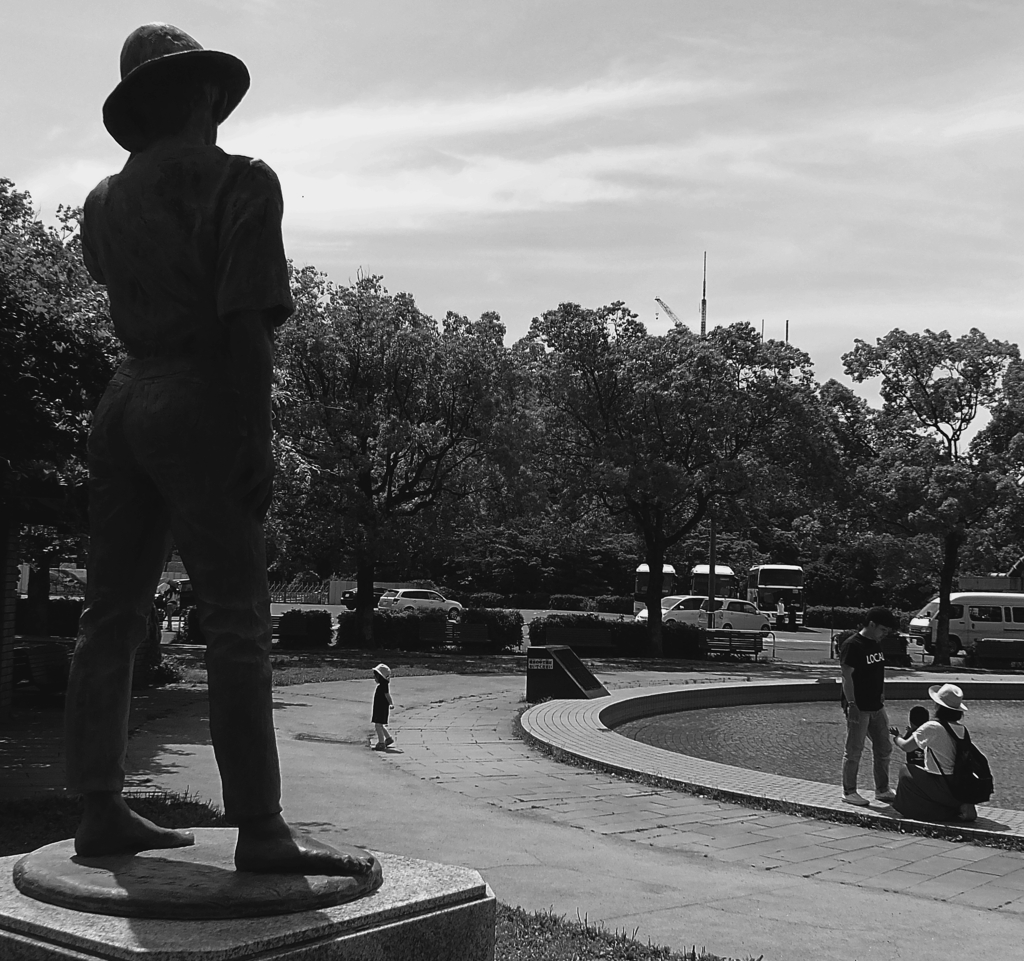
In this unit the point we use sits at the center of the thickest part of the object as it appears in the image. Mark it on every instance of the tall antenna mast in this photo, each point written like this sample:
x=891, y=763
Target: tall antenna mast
x=704, y=300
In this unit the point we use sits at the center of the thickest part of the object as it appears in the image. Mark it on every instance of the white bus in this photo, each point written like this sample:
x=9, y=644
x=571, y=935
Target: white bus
x=770, y=584
x=727, y=584
x=643, y=574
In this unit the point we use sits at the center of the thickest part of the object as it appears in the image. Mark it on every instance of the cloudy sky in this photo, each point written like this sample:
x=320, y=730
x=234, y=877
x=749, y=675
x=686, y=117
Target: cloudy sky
x=850, y=167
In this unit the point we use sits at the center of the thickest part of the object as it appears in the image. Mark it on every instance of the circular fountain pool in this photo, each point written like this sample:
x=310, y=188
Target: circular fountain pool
x=805, y=740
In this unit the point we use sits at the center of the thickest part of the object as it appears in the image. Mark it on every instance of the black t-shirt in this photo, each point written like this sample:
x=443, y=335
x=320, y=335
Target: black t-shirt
x=868, y=662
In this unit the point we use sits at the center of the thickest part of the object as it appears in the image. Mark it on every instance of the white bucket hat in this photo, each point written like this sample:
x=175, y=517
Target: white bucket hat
x=384, y=671
x=948, y=695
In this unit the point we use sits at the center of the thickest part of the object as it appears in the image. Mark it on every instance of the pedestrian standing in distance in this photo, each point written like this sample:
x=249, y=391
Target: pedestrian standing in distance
x=382, y=704
x=863, y=666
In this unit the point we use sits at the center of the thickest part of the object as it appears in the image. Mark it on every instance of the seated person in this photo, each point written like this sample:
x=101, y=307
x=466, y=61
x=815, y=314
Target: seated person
x=918, y=716
x=923, y=793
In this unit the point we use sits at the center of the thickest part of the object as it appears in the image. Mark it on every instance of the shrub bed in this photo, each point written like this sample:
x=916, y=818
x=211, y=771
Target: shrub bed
x=629, y=639
x=571, y=602
x=394, y=630
x=846, y=618
x=504, y=628
x=529, y=602
x=615, y=603
x=485, y=599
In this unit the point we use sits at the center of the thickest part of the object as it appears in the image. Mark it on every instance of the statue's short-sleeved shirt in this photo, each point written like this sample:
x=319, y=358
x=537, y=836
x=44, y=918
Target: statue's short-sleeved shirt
x=184, y=236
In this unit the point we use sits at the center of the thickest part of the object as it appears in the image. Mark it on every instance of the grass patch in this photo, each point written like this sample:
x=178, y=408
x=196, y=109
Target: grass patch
x=544, y=936
x=314, y=667
x=520, y=935
x=29, y=823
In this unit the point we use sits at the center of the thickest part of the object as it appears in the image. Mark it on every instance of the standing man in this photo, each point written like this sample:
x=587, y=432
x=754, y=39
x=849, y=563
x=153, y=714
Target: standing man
x=863, y=667
x=187, y=239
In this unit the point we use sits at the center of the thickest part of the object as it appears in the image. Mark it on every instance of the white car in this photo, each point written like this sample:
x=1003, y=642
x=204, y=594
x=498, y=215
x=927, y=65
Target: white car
x=733, y=614
x=415, y=599
x=676, y=607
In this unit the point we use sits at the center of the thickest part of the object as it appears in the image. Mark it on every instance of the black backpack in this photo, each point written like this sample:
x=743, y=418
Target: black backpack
x=971, y=780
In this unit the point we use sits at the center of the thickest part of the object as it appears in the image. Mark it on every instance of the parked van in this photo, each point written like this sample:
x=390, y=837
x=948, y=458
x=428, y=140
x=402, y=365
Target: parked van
x=973, y=616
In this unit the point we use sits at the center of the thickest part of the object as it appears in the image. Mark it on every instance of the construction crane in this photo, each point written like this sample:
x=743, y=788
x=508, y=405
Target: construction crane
x=668, y=310
x=703, y=304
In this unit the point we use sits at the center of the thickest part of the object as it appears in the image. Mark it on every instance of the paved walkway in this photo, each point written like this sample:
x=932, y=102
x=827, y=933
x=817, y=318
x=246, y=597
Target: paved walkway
x=471, y=749
x=678, y=868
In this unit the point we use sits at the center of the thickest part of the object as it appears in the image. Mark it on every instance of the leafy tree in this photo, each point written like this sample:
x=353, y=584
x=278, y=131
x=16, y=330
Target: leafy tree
x=659, y=430
x=926, y=480
x=57, y=352
x=382, y=414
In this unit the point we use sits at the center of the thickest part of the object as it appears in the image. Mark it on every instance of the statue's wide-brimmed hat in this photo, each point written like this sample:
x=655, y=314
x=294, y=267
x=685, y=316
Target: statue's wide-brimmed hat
x=159, y=53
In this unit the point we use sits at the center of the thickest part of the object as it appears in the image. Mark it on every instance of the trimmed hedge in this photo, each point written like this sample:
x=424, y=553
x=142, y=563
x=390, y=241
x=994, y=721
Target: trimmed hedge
x=615, y=603
x=302, y=630
x=571, y=602
x=485, y=600
x=629, y=639
x=528, y=602
x=504, y=627
x=394, y=630
x=846, y=618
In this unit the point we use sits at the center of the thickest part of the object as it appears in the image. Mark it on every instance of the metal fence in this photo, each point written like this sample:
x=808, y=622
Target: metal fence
x=300, y=590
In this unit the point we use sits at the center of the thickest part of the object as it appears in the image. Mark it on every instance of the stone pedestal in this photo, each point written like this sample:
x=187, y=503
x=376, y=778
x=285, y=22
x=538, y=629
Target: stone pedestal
x=426, y=911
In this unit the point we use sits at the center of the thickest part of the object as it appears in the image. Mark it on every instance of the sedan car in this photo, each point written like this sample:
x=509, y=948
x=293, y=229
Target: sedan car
x=733, y=614
x=677, y=607
x=348, y=598
x=415, y=599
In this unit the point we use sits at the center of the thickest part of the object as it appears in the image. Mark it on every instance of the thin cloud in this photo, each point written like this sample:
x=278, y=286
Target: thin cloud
x=307, y=135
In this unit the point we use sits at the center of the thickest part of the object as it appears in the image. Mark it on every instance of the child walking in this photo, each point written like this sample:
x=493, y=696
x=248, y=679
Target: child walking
x=382, y=703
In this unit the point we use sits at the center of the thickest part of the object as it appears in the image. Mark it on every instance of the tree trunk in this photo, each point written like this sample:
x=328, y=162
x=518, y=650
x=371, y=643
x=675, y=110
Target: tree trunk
x=366, y=559
x=655, y=563
x=950, y=555
x=365, y=573
x=38, y=597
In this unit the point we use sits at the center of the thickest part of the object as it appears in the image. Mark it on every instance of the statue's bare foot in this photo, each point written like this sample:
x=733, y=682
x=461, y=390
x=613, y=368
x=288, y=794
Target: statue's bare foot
x=271, y=846
x=109, y=826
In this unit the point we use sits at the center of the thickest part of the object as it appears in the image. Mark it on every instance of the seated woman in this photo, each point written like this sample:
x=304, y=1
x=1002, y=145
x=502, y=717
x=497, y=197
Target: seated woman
x=923, y=793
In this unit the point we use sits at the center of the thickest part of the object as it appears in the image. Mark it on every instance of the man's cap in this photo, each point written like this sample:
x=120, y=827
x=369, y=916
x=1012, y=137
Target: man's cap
x=159, y=53
x=883, y=617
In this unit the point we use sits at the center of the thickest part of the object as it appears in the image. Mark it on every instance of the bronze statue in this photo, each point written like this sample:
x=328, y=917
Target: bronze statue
x=188, y=241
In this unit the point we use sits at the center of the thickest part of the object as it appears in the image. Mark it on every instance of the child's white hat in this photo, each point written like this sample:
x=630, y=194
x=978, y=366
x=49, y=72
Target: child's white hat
x=384, y=671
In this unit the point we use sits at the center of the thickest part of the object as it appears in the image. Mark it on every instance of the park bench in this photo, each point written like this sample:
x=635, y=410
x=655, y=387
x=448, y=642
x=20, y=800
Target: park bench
x=736, y=643
x=579, y=637
x=471, y=635
x=997, y=651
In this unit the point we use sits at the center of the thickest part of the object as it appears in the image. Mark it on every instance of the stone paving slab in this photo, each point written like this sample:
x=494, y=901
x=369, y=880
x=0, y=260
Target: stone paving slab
x=664, y=818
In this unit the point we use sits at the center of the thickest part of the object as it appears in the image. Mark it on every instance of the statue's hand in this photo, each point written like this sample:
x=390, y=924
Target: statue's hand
x=252, y=477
